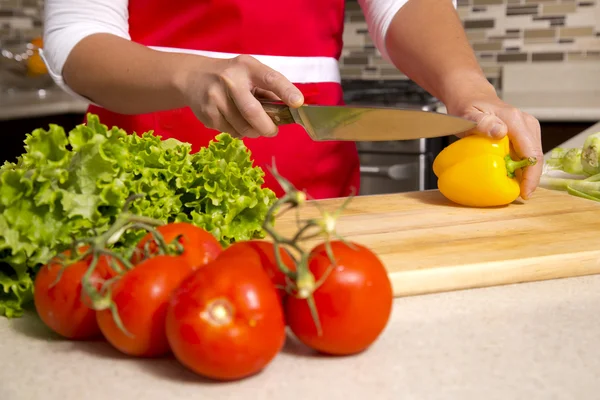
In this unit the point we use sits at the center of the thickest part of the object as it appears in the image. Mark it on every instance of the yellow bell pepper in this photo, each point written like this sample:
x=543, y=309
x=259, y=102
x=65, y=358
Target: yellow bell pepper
x=478, y=171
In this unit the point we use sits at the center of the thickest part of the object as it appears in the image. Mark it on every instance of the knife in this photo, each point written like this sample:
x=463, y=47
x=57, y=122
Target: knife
x=323, y=123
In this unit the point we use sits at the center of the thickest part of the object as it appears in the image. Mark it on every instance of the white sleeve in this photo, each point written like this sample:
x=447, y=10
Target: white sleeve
x=379, y=15
x=67, y=22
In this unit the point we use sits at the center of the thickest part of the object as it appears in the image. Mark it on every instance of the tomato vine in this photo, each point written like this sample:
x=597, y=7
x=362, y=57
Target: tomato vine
x=301, y=282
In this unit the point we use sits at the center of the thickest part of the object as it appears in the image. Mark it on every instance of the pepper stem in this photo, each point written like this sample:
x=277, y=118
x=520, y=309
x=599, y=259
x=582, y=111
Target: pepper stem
x=512, y=165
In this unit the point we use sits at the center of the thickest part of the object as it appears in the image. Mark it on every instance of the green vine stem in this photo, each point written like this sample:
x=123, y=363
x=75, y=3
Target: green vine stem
x=98, y=246
x=301, y=282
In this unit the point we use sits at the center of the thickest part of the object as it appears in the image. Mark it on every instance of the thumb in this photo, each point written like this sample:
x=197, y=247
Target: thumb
x=488, y=124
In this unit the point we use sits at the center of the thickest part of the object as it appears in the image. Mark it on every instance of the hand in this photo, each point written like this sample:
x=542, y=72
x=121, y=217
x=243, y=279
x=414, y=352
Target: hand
x=223, y=93
x=496, y=119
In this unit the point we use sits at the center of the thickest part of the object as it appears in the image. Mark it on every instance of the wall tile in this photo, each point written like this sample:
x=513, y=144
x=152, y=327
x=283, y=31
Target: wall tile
x=584, y=17
x=558, y=9
x=487, y=2
x=569, y=32
x=517, y=57
x=522, y=10
x=487, y=46
x=583, y=56
x=547, y=57
x=477, y=24
x=476, y=35
x=539, y=33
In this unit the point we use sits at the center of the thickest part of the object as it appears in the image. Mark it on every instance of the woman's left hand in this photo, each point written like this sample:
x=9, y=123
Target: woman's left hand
x=496, y=119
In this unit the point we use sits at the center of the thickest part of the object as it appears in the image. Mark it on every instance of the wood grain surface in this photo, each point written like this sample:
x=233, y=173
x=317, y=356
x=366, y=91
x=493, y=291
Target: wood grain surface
x=430, y=245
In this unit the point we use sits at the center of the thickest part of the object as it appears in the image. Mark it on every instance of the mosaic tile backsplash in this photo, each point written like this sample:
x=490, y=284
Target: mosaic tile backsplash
x=500, y=31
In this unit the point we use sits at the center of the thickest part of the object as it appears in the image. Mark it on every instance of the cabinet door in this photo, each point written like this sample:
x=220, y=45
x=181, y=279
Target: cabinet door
x=392, y=173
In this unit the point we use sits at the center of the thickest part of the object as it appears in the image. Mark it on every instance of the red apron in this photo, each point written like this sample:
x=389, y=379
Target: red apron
x=301, y=34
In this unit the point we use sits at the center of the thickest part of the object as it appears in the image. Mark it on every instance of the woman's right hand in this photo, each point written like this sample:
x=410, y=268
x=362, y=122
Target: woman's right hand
x=223, y=94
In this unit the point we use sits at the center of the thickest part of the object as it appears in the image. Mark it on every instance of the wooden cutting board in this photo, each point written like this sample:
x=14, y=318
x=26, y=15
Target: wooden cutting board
x=430, y=245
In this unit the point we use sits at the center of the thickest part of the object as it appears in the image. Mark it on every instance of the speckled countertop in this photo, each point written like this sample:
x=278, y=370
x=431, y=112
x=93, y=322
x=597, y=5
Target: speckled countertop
x=529, y=341
x=558, y=106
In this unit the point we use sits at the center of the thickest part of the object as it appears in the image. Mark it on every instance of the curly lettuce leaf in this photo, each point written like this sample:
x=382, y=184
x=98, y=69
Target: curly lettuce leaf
x=227, y=198
x=16, y=289
x=73, y=184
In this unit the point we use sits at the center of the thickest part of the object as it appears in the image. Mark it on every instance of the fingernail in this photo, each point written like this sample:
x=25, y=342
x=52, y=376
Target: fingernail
x=295, y=99
x=496, y=129
x=273, y=133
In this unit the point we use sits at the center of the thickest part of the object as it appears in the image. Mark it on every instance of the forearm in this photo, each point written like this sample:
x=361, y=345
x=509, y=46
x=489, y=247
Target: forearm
x=124, y=76
x=426, y=42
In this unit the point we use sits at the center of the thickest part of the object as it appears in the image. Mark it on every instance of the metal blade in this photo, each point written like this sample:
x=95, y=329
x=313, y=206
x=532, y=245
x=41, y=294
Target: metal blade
x=376, y=123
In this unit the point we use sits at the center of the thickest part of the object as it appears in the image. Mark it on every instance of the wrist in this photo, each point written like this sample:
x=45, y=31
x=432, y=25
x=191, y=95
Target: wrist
x=182, y=77
x=189, y=72
x=464, y=87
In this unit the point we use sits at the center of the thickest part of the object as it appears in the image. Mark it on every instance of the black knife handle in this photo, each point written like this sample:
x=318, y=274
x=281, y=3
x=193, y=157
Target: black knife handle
x=279, y=113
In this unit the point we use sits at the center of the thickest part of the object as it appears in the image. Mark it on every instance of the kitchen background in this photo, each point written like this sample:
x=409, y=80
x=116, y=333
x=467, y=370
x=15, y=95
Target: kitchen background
x=543, y=55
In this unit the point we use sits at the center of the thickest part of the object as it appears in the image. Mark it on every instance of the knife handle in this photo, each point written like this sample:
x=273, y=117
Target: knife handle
x=279, y=113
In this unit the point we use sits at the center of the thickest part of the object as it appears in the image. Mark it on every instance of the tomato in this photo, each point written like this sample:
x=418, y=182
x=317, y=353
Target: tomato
x=200, y=246
x=141, y=296
x=265, y=253
x=225, y=321
x=354, y=302
x=64, y=307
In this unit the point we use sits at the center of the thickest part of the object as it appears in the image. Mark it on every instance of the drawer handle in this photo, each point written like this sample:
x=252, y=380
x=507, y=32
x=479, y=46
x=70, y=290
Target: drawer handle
x=395, y=172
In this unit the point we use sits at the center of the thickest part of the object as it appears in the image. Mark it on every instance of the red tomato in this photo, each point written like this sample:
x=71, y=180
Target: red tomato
x=225, y=321
x=354, y=303
x=64, y=307
x=141, y=296
x=200, y=246
x=265, y=253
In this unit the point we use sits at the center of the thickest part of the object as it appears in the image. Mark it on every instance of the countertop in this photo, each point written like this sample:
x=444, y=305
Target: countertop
x=32, y=104
x=554, y=91
x=577, y=140
x=527, y=341
x=557, y=106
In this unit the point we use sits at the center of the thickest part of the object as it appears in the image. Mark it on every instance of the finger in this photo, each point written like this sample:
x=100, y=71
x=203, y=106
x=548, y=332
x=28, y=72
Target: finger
x=271, y=80
x=487, y=124
x=226, y=127
x=234, y=117
x=212, y=118
x=533, y=148
x=248, y=106
x=265, y=94
x=525, y=140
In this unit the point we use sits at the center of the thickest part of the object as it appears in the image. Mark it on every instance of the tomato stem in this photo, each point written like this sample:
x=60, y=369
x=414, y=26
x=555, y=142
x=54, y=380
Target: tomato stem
x=301, y=283
x=117, y=318
x=98, y=246
x=315, y=314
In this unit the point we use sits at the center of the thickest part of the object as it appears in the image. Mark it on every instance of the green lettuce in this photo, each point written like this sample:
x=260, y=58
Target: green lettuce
x=75, y=184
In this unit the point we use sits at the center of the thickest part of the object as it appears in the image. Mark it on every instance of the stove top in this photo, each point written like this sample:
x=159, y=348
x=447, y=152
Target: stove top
x=399, y=93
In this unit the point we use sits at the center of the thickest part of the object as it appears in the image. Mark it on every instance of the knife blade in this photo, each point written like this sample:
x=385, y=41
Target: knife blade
x=345, y=123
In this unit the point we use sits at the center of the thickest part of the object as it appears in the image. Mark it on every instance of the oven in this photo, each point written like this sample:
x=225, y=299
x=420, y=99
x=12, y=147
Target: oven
x=395, y=166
